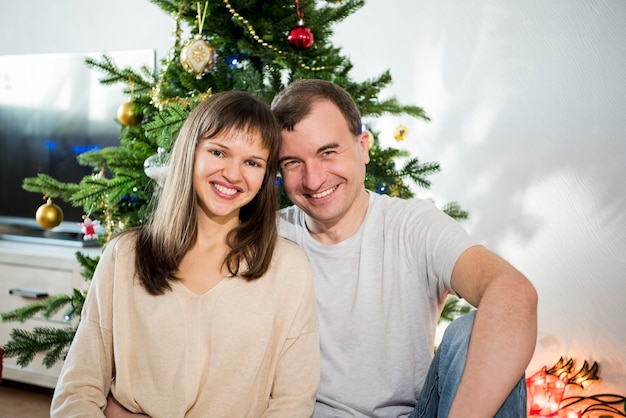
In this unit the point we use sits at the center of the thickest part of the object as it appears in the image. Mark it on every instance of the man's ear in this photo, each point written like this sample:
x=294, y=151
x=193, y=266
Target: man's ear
x=364, y=140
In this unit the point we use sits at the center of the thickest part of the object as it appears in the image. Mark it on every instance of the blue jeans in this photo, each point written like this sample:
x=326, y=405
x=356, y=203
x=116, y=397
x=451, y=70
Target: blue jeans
x=444, y=376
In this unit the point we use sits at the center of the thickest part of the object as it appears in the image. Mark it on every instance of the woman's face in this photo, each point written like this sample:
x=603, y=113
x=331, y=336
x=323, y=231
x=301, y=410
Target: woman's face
x=228, y=173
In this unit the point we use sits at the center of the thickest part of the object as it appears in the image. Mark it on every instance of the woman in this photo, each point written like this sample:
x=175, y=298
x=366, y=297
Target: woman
x=204, y=311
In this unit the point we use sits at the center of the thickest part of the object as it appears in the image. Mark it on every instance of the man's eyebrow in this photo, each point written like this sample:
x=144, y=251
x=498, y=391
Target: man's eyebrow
x=327, y=147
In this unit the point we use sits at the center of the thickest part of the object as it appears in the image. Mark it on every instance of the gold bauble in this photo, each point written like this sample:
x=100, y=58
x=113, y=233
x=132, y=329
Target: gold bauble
x=126, y=116
x=49, y=215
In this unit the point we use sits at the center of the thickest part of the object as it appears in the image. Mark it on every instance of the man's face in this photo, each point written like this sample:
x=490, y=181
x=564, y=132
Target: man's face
x=323, y=164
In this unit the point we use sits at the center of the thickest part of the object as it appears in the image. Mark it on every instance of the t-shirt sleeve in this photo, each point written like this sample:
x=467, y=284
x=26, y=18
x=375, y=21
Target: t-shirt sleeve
x=439, y=241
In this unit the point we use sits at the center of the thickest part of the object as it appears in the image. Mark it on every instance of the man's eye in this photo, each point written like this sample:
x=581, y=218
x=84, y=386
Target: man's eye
x=288, y=164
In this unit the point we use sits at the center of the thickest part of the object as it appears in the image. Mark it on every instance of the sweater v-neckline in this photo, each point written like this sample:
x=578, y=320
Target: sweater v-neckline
x=207, y=292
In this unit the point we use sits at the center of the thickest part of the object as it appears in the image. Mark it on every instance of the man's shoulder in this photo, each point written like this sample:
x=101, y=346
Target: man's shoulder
x=393, y=204
x=288, y=221
x=288, y=214
x=290, y=218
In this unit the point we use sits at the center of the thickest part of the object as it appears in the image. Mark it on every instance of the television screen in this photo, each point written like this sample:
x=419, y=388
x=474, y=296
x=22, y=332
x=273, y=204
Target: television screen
x=52, y=108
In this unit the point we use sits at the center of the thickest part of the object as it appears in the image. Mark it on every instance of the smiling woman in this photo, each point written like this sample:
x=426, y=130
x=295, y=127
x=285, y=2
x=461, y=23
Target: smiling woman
x=229, y=305
x=228, y=173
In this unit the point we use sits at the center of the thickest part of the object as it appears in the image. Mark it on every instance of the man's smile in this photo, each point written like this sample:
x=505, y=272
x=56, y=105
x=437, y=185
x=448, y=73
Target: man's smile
x=324, y=193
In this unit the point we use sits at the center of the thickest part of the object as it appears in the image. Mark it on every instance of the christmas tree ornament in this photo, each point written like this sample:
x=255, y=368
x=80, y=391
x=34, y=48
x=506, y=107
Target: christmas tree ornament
x=88, y=227
x=198, y=55
x=400, y=133
x=127, y=116
x=246, y=23
x=125, y=113
x=300, y=37
x=155, y=166
x=49, y=215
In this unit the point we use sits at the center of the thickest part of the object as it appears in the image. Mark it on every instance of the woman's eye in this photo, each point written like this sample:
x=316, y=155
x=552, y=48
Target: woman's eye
x=217, y=153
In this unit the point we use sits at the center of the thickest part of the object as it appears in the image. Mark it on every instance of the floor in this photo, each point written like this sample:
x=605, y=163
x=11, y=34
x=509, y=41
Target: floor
x=19, y=400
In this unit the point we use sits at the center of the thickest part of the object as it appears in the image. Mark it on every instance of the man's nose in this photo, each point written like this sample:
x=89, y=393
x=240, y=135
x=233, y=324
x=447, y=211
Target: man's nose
x=313, y=176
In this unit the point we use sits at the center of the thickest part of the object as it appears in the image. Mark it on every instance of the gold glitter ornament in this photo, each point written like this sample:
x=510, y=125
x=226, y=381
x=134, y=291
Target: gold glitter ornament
x=198, y=56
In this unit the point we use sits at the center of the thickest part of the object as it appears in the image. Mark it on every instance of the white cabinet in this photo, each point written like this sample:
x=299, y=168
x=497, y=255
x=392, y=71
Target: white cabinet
x=28, y=271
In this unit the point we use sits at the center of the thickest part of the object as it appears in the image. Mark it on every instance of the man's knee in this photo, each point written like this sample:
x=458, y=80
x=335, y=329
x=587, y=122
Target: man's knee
x=458, y=332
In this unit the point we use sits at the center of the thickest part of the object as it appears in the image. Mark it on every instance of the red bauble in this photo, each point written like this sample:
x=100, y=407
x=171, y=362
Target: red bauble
x=300, y=37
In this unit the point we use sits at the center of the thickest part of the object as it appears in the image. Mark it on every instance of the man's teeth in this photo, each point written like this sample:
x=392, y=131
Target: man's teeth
x=322, y=194
x=225, y=190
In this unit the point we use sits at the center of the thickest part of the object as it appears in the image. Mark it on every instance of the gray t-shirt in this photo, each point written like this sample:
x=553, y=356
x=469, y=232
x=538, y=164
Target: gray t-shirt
x=379, y=293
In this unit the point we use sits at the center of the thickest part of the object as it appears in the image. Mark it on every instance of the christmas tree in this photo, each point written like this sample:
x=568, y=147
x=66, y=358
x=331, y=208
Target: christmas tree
x=247, y=45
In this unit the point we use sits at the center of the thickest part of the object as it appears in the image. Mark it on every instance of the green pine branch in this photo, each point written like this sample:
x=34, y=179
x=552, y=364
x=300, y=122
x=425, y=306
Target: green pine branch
x=88, y=264
x=454, y=210
x=95, y=190
x=418, y=172
x=25, y=345
x=453, y=308
x=46, y=308
x=49, y=186
x=366, y=95
x=139, y=81
x=338, y=12
x=165, y=125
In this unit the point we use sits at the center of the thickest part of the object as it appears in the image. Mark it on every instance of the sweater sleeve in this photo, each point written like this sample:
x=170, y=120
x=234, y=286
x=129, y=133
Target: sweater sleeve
x=85, y=378
x=298, y=371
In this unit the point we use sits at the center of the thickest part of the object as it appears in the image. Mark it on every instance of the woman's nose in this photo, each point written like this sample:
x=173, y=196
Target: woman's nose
x=232, y=171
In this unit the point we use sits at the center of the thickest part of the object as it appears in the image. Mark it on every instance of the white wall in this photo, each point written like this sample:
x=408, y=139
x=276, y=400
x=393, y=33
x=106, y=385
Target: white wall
x=528, y=104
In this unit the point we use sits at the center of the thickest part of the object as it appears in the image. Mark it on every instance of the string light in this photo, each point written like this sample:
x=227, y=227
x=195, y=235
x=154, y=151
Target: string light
x=547, y=387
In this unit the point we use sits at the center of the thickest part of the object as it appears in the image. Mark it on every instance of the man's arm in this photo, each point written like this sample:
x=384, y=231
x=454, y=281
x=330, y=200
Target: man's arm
x=504, y=333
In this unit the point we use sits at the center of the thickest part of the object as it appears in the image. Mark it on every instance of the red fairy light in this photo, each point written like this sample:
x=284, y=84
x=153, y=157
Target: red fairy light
x=546, y=387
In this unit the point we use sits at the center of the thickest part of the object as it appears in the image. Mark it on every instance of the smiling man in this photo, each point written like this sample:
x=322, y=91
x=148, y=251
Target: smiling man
x=382, y=270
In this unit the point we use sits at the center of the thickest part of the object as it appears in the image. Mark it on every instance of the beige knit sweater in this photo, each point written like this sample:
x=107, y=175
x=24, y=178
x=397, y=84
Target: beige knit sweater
x=243, y=349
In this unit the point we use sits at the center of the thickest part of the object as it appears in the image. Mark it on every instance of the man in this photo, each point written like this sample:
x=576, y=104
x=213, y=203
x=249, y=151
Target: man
x=383, y=268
